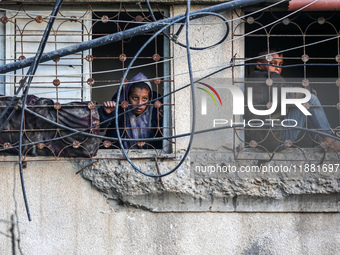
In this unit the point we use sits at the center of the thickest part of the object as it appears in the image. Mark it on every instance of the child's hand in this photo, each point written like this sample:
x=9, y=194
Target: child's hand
x=109, y=106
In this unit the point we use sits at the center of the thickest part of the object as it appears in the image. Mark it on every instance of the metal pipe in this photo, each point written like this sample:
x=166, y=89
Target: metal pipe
x=321, y=5
x=124, y=35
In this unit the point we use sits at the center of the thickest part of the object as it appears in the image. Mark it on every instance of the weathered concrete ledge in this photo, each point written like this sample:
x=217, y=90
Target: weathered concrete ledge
x=302, y=190
x=169, y=202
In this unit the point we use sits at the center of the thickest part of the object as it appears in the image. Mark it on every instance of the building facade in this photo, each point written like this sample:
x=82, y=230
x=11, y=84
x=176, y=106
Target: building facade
x=219, y=192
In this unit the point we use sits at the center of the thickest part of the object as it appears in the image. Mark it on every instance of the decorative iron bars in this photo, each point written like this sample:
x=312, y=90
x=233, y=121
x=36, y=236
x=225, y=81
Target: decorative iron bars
x=309, y=44
x=89, y=78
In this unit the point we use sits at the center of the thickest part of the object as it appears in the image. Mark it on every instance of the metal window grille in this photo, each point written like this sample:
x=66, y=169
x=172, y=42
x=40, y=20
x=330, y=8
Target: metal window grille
x=310, y=45
x=88, y=78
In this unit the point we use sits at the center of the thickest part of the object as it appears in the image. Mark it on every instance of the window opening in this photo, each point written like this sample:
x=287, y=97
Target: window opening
x=117, y=56
x=300, y=34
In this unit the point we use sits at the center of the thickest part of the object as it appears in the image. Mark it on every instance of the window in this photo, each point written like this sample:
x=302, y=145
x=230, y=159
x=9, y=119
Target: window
x=92, y=75
x=309, y=42
x=62, y=80
x=152, y=62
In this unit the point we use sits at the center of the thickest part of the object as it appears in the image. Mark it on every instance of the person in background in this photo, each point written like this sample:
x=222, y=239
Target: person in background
x=276, y=139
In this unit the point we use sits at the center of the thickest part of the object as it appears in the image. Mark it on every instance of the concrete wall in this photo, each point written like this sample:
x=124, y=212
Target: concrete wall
x=203, y=63
x=183, y=213
x=70, y=217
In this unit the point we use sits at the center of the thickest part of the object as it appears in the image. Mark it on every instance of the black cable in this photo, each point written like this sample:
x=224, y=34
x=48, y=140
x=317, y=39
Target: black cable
x=219, y=42
x=118, y=96
x=33, y=69
x=174, y=38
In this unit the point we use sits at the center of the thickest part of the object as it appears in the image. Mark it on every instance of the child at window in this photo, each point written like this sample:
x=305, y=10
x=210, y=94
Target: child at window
x=143, y=122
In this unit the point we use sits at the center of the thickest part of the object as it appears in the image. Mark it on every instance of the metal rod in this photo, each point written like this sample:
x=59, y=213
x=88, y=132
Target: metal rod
x=123, y=35
x=89, y=164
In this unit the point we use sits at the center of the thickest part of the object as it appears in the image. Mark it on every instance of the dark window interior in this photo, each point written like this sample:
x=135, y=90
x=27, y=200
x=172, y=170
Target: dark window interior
x=107, y=57
x=299, y=30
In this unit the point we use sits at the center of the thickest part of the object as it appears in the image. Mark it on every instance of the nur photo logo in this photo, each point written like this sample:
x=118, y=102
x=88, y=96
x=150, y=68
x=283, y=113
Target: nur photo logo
x=229, y=102
x=239, y=100
x=204, y=98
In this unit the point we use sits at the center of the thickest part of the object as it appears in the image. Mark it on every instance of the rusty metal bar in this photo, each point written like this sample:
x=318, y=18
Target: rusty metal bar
x=321, y=5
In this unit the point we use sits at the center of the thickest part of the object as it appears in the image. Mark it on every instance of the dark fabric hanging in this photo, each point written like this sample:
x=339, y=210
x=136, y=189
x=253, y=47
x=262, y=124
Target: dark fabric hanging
x=76, y=115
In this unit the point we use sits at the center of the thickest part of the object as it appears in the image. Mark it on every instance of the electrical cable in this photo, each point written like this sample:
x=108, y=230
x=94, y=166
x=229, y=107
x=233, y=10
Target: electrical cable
x=33, y=69
x=118, y=96
x=175, y=37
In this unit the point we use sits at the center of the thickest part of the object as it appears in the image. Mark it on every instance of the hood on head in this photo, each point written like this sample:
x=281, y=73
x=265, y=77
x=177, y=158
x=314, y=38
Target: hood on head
x=138, y=77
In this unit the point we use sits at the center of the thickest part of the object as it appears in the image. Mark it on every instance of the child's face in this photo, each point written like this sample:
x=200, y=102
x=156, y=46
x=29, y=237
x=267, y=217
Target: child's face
x=139, y=96
x=277, y=60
